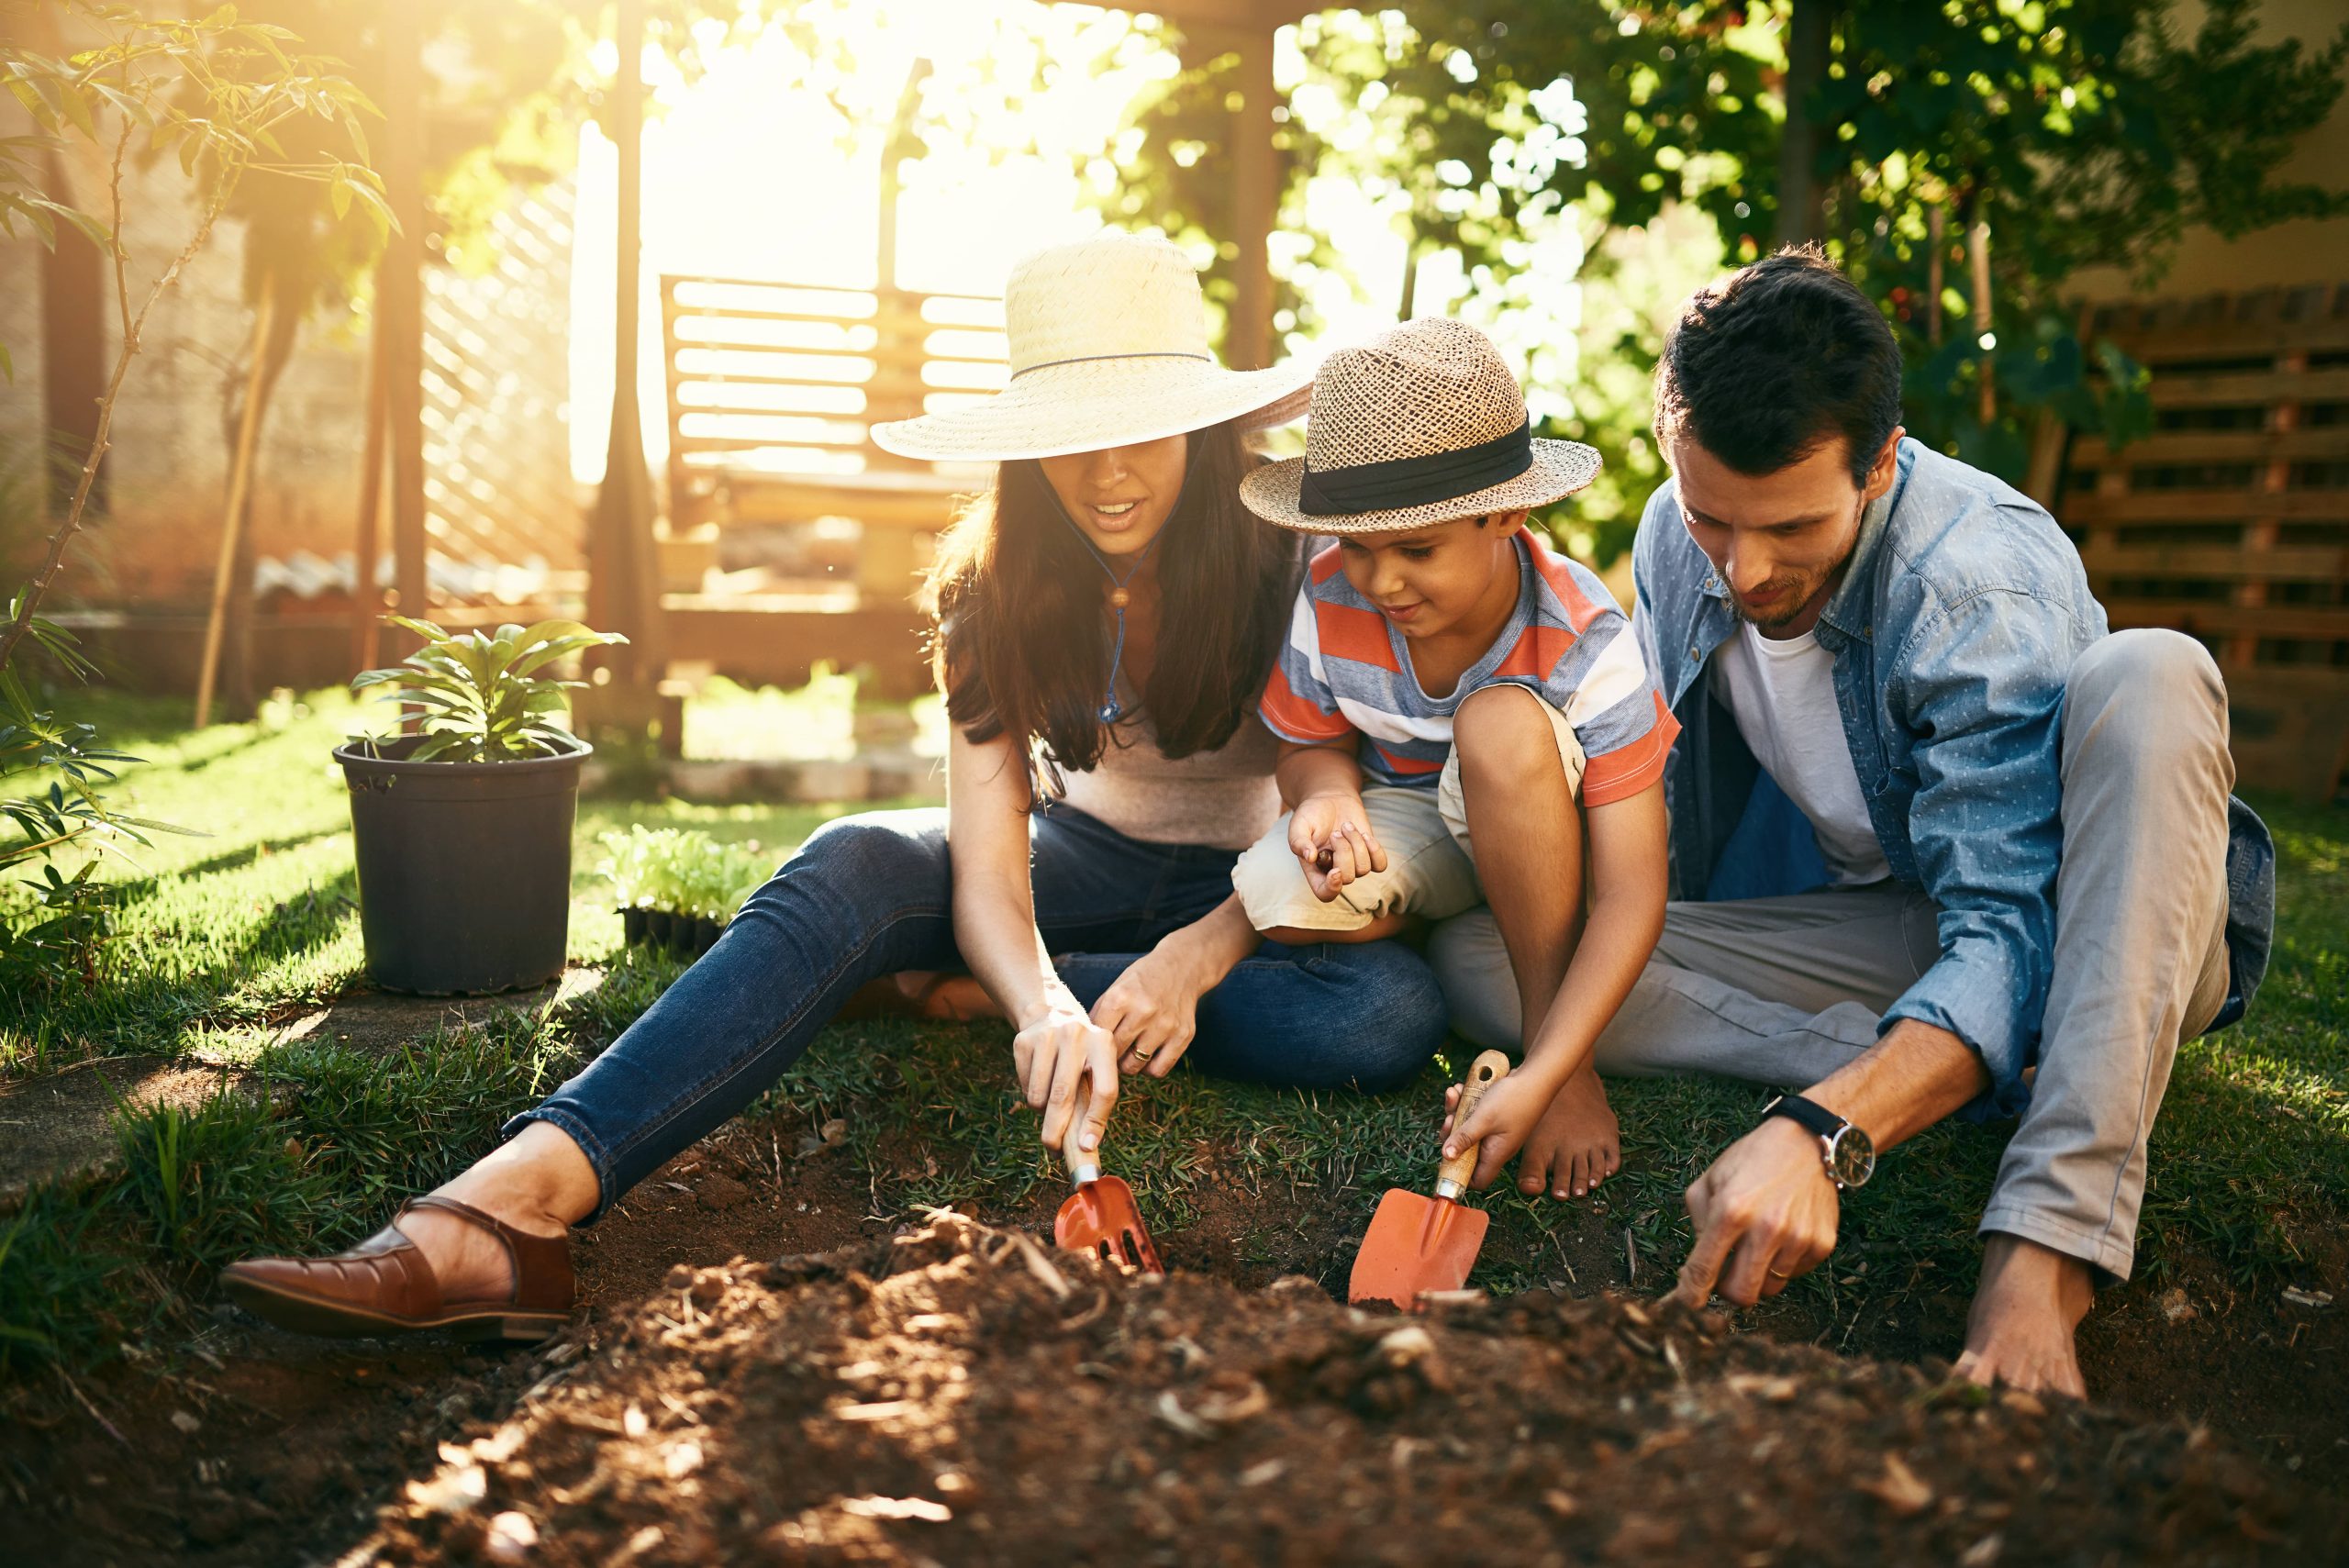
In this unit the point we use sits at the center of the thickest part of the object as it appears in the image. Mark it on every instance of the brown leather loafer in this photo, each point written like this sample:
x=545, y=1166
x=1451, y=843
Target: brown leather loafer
x=384, y=1286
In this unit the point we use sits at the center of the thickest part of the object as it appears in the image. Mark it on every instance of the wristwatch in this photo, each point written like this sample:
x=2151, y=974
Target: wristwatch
x=1849, y=1153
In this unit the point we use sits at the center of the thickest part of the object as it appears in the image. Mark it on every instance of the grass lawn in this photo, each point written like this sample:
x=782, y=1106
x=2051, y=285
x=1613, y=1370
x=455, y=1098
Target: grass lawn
x=230, y=934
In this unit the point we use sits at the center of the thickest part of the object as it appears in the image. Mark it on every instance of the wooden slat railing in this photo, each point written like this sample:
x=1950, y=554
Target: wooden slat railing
x=2231, y=522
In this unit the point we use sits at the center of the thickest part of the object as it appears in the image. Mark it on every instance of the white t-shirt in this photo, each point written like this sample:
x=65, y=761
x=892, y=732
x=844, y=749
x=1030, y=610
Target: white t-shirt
x=1783, y=696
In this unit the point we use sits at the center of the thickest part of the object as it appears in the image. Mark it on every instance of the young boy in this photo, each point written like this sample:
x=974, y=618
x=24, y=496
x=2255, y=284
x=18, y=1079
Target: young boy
x=1463, y=715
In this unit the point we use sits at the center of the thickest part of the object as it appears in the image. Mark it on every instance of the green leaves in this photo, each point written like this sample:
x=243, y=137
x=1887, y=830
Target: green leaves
x=681, y=870
x=479, y=694
x=69, y=914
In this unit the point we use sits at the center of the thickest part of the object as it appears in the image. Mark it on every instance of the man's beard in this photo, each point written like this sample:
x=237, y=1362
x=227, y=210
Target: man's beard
x=1799, y=592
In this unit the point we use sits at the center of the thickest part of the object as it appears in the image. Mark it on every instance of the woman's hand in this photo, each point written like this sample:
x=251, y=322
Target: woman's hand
x=1329, y=834
x=1055, y=1056
x=1151, y=1010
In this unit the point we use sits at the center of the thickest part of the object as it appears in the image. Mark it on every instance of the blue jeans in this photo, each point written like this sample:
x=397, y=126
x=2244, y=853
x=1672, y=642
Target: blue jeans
x=870, y=895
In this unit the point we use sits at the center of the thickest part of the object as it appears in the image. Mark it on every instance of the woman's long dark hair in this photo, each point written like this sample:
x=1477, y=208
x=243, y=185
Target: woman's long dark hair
x=1023, y=639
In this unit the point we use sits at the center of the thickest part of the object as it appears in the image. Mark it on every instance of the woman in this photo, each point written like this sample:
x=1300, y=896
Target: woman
x=1107, y=615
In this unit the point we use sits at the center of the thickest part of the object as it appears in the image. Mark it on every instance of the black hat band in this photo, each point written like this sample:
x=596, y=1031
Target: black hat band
x=1404, y=482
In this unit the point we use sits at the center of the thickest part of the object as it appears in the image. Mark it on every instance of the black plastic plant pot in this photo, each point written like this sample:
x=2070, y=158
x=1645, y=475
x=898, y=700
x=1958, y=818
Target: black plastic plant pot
x=706, y=933
x=464, y=868
x=632, y=920
x=660, y=929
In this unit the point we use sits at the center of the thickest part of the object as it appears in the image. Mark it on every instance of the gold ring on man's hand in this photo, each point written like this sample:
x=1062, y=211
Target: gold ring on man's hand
x=1775, y=1275
x=1140, y=1055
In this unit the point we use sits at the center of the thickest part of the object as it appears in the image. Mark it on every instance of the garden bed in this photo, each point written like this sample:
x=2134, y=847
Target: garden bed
x=956, y=1393
x=248, y=1448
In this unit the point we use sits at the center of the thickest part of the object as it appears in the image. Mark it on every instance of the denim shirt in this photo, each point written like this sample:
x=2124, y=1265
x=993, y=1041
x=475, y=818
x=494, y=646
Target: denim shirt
x=1952, y=634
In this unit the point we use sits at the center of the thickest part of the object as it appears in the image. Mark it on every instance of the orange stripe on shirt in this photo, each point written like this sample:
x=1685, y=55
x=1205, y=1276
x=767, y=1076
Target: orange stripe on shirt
x=1624, y=772
x=1326, y=565
x=1580, y=609
x=1349, y=633
x=1408, y=764
x=1292, y=715
x=1539, y=649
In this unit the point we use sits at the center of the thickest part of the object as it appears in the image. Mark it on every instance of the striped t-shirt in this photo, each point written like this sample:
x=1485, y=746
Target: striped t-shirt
x=1343, y=671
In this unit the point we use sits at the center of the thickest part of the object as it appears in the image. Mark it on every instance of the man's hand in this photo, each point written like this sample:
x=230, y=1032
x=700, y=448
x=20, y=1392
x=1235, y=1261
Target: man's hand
x=1151, y=1010
x=1055, y=1056
x=1498, y=1126
x=1330, y=837
x=1767, y=1212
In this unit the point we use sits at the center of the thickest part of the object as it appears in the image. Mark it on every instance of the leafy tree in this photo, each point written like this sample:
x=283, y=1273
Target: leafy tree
x=1961, y=160
x=197, y=91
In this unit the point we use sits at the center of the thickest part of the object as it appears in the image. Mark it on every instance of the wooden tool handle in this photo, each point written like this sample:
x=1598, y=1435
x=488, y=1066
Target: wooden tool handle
x=1083, y=1167
x=1489, y=1068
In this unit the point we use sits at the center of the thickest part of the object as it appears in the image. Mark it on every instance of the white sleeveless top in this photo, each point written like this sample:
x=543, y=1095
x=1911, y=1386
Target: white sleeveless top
x=1224, y=799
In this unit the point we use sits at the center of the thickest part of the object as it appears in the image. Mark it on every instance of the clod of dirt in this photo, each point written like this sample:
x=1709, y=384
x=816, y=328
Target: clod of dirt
x=939, y=1397
x=719, y=1192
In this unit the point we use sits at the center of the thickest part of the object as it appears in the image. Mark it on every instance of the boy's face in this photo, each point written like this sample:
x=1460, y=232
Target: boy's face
x=1780, y=541
x=1437, y=577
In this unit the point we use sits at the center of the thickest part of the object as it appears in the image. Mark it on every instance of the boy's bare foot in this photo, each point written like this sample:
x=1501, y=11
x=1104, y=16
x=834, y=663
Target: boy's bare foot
x=1575, y=1145
x=2030, y=1302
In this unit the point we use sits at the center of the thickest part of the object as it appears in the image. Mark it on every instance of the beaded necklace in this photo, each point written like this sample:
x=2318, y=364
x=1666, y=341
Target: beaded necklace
x=1111, y=710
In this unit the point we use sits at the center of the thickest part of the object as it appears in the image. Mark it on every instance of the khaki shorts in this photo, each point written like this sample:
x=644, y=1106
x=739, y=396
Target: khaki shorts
x=1430, y=864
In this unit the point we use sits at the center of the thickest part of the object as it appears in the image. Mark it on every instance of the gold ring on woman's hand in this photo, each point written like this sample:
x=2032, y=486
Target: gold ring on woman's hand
x=1140, y=1055
x=1775, y=1275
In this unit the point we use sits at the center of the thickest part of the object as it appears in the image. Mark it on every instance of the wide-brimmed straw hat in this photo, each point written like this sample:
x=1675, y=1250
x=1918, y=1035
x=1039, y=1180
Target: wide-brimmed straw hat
x=1108, y=344
x=1422, y=424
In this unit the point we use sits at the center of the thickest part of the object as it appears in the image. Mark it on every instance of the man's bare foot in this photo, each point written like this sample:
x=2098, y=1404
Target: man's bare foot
x=2030, y=1300
x=1575, y=1145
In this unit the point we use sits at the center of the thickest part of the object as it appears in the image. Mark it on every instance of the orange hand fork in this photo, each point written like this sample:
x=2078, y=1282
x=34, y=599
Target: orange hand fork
x=1101, y=1216
x=1417, y=1243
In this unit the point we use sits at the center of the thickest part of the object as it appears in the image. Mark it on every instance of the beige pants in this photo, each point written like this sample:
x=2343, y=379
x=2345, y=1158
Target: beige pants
x=1784, y=991
x=1430, y=862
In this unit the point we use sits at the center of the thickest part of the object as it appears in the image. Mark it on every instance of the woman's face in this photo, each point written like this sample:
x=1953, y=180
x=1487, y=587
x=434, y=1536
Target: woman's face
x=1121, y=495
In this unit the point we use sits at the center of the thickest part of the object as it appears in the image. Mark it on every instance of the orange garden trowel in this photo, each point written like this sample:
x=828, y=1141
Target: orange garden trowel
x=1101, y=1217
x=1418, y=1243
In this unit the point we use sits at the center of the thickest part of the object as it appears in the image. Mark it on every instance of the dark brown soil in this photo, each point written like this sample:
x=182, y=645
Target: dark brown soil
x=957, y=1395
x=255, y=1448
x=266, y=1448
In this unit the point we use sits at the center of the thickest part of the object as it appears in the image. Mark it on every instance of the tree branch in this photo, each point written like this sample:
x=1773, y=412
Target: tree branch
x=37, y=589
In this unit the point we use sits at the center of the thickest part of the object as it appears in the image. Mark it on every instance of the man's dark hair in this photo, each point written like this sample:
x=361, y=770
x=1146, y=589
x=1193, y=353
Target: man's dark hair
x=1777, y=358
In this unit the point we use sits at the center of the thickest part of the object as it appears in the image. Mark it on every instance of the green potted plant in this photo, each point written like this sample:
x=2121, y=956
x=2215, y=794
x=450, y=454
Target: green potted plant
x=626, y=865
x=462, y=827
x=667, y=855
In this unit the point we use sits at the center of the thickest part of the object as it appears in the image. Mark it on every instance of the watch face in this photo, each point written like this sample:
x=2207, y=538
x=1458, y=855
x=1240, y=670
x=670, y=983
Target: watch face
x=1851, y=1159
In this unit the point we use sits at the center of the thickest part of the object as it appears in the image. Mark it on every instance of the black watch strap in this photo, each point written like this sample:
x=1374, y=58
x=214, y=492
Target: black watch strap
x=1815, y=1116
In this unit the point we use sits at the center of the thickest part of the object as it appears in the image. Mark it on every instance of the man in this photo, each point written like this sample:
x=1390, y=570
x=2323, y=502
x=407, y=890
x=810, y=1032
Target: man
x=1939, y=842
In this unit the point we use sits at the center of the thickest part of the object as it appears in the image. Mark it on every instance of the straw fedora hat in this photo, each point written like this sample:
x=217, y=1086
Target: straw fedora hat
x=1108, y=341
x=1422, y=424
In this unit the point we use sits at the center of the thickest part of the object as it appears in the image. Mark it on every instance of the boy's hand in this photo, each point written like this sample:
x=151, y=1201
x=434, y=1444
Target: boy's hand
x=1330, y=837
x=1504, y=1119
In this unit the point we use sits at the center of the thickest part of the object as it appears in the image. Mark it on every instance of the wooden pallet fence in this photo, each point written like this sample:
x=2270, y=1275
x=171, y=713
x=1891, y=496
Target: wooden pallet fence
x=2230, y=521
